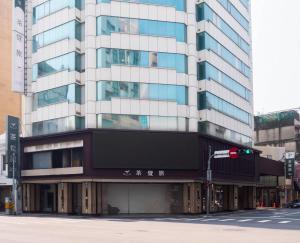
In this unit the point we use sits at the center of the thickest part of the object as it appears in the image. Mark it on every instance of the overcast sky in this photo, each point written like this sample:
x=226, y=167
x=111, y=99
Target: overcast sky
x=276, y=54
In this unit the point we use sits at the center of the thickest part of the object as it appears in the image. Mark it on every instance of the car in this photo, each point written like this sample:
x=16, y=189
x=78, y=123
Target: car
x=294, y=204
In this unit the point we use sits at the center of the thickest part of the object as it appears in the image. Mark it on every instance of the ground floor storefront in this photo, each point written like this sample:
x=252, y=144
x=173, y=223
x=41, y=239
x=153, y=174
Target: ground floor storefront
x=5, y=192
x=100, y=198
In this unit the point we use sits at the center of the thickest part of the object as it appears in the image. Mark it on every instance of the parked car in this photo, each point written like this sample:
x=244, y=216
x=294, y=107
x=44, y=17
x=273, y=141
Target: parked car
x=294, y=204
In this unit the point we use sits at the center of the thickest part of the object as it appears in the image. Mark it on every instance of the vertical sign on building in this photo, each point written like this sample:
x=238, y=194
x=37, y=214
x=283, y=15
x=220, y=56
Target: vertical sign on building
x=290, y=164
x=12, y=146
x=18, y=34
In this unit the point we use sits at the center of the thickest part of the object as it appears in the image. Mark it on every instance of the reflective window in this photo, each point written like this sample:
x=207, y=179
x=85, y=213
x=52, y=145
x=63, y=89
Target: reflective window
x=207, y=100
x=180, y=5
x=209, y=72
x=224, y=133
x=57, y=125
x=52, y=6
x=231, y=9
x=69, y=93
x=70, y=30
x=140, y=122
x=107, y=57
x=204, y=12
x=245, y=3
x=109, y=89
x=70, y=61
x=205, y=41
x=107, y=25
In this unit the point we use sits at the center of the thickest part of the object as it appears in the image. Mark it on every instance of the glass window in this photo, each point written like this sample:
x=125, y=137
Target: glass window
x=70, y=61
x=106, y=57
x=109, y=89
x=205, y=41
x=107, y=25
x=207, y=100
x=120, y=121
x=57, y=125
x=52, y=6
x=180, y=5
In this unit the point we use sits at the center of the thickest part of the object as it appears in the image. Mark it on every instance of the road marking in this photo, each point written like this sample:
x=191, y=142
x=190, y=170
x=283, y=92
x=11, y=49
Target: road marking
x=284, y=222
x=206, y=220
x=225, y=220
x=264, y=221
x=245, y=220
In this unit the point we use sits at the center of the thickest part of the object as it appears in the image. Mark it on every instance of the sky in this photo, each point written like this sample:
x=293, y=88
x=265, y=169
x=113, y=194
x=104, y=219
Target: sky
x=276, y=54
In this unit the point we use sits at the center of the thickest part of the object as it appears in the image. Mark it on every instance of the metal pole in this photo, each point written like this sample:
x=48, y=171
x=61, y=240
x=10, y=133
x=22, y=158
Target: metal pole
x=285, y=189
x=209, y=179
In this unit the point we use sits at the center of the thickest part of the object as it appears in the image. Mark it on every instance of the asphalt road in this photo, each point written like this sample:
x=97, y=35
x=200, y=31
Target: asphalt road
x=265, y=226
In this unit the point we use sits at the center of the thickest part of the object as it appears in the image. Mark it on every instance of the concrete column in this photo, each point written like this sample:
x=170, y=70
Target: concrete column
x=192, y=198
x=99, y=198
x=64, y=198
x=233, y=198
x=89, y=198
x=29, y=196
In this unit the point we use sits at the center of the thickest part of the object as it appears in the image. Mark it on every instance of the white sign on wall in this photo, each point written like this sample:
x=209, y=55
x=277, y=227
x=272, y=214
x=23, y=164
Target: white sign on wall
x=18, y=50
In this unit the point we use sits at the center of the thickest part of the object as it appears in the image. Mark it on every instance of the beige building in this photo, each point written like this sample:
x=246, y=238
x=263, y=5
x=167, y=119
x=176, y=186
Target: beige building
x=10, y=102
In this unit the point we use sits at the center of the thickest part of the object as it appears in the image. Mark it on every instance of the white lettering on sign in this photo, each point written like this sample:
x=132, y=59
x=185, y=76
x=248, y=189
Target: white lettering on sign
x=221, y=154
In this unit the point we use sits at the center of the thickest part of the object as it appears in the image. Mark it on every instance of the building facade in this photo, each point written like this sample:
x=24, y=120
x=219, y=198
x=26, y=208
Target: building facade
x=281, y=129
x=101, y=171
x=170, y=65
x=7, y=96
x=103, y=72
x=5, y=182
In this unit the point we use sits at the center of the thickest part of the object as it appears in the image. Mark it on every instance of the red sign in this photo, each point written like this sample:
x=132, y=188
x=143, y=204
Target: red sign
x=233, y=153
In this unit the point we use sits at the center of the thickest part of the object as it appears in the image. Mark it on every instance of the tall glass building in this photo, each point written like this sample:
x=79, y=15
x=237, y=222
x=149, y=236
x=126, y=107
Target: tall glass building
x=171, y=65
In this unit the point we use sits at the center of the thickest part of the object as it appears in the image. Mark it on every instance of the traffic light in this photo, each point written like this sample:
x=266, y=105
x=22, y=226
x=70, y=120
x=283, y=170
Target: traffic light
x=245, y=152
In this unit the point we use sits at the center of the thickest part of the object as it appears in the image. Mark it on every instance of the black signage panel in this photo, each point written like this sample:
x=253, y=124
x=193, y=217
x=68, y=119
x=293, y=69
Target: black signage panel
x=145, y=150
x=290, y=167
x=12, y=146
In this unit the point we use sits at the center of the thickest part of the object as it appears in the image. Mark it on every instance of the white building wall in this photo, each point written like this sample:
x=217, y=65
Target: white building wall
x=91, y=107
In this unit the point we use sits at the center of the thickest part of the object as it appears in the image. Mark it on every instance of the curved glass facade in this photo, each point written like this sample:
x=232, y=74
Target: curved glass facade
x=70, y=61
x=107, y=57
x=63, y=124
x=180, y=5
x=232, y=10
x=141, y=122
x=130, y=90
x=69, y=93
x=206, y=100
x=205, y=41
x=204, y=12
x=107, y=25
x=70, y=30
x=52, y=6
x=208, y=71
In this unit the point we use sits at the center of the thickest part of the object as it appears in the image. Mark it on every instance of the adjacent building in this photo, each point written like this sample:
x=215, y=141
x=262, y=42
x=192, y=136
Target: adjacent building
x=115, y=73
x=280, y=129
x=6, y=94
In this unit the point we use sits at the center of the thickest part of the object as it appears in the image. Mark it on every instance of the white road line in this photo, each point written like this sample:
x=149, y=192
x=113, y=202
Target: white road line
x=225, y=220
x=206, y=220
x=264, y=221
x=284, y=222
x=245, y=220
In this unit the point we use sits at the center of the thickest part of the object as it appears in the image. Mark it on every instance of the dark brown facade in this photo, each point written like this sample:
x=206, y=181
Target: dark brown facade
x=142, y=164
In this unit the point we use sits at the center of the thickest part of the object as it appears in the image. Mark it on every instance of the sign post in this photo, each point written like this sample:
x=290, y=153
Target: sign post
x=13, y=155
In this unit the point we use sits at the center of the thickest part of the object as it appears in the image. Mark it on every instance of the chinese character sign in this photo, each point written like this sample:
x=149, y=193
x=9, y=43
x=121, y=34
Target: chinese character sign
x=18, y=33
x=290, y=168
x=12, y=146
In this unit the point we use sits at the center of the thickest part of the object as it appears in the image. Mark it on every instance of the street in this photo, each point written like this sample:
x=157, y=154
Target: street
x=269, y=225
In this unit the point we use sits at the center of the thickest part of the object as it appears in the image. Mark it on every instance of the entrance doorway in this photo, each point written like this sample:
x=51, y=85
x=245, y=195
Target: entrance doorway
x=48, y=198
